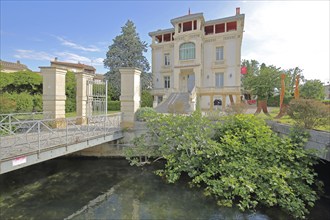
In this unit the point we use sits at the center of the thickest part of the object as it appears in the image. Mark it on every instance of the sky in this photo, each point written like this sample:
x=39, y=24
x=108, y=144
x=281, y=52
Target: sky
x=285, y=34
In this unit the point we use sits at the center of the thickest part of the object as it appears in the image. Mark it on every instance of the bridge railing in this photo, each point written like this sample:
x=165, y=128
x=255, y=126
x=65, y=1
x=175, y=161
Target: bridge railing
x=21, y=137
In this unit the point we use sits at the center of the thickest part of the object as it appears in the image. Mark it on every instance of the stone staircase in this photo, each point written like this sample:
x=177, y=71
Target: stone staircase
x=175, y=103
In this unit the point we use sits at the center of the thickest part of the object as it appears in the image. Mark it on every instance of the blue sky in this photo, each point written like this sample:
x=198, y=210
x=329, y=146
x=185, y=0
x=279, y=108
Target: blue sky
x=282, y=33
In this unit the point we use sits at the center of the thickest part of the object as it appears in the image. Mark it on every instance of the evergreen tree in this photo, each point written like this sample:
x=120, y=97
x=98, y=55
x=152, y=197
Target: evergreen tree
x=126, y=51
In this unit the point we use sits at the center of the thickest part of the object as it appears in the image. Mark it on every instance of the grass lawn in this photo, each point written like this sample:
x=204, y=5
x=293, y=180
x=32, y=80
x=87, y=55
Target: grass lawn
x=286, y=119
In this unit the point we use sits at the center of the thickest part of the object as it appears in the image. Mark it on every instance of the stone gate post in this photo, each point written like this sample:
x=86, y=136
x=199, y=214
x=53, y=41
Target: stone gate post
x=130, y=94
x=81, y=96
x=53, y=98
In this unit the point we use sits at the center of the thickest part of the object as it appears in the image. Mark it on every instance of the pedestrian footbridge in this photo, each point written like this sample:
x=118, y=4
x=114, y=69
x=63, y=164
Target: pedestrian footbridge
x=27, y=139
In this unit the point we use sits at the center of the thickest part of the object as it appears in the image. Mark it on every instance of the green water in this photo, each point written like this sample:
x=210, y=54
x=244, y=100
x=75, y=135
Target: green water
x=87, y=188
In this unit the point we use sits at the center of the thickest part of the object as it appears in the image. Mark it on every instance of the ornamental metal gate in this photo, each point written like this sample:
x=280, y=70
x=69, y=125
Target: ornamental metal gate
x=97, y=97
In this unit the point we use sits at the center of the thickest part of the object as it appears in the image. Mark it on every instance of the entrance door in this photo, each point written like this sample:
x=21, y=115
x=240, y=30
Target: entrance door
x=190, y=82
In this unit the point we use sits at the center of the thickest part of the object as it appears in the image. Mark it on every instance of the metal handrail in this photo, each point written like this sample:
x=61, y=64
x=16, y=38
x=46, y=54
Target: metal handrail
x=36, y=135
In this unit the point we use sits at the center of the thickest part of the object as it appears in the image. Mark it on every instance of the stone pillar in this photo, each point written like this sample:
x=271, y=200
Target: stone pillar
x=81, y=96
x=211, y=102
x=53, y=91
x=130, y=95
x=224, y=100
x=155, y=102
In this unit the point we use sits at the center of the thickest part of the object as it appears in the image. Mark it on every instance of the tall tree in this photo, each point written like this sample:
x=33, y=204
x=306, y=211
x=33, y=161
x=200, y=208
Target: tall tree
x=126, y=51
x=261, y=81
x=312, y=89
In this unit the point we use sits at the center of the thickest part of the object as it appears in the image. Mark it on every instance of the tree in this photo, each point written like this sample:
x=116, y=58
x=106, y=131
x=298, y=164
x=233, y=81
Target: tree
x=312, y=89
x=290, y=79
x=126, y=51
x=261, y=81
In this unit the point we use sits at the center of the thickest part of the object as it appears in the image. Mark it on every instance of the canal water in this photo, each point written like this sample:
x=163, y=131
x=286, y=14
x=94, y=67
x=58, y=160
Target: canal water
x=91, y=188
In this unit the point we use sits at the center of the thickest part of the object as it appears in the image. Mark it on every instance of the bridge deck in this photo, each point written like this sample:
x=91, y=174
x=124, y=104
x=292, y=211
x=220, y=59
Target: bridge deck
x=26, y=142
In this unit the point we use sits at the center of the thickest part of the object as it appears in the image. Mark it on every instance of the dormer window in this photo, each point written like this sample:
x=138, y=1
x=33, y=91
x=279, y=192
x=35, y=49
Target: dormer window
x=187, y=51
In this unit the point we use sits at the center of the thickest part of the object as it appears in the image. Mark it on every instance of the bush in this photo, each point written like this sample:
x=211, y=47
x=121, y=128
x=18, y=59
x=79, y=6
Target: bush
x=37, y=103
x=24, y=102
x=7, y=104
x=114, y=105
x=142, y=114
x=243, y=163
x=274, y=101
x=309, y=113
x=146, y=99
x=70, y=104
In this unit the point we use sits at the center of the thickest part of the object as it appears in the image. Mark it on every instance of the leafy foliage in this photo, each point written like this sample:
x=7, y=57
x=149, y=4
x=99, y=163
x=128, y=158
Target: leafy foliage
x=146, y=98
x=309, y=113
x=126, y=51
x=242, y=162
x=312, y=89
x=274, y=101
x=70, y=92
x=261, y=80
x=114, y=105
x=7, y=103
x=142, y=114
x=19, y=82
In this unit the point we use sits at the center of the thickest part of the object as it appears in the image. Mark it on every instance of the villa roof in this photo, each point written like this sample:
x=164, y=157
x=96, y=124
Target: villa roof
x=75, y=65
x=187, y=18
x=13, y=66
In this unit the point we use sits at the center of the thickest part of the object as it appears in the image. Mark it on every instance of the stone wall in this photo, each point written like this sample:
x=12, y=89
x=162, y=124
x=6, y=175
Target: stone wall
x=115, y=148
x=319, y=140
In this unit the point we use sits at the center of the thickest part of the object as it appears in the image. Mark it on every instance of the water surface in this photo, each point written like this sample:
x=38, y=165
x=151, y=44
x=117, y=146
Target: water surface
x=89, y=188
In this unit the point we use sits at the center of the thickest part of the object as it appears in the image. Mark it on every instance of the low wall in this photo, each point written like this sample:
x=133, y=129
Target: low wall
x=115, y=148
x=319, y=140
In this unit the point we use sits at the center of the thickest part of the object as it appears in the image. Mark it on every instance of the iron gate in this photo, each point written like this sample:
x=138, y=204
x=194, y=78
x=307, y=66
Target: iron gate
x=97, y=97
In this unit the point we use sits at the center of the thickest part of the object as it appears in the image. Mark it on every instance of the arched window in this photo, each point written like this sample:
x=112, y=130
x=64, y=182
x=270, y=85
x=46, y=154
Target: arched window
x=187, y=51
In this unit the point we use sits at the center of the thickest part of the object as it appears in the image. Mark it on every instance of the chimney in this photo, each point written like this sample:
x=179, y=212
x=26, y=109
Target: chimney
x=18, y=62
x=55, y=59
x=238, y=10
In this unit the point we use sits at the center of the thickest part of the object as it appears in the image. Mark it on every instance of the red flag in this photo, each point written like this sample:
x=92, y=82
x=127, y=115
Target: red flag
x=243, y=70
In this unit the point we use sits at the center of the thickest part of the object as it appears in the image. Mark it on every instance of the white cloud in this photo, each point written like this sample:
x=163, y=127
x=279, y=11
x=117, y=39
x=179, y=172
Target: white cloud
x=77, y=46
x=98, y=62
x=33, y=55
x=289, y=34
x=72, y=57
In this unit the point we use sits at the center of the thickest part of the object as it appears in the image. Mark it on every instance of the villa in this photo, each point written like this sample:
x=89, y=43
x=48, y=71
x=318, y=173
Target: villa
x=73, y=67
x=10, y=67
x=197, y=62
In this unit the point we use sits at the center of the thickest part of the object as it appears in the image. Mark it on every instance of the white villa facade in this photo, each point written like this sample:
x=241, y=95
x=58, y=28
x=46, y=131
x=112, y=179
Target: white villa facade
x=198, y=57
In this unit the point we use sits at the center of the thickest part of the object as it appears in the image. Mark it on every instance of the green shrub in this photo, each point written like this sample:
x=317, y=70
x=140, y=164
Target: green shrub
x=142, y=114
x=70, y=104
x=37, y=103
x=309, y=113
x=24, y=102
x=7, y=103
x=243, y=162
x=114, y=105
x=146, y=99
x=274, y=101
